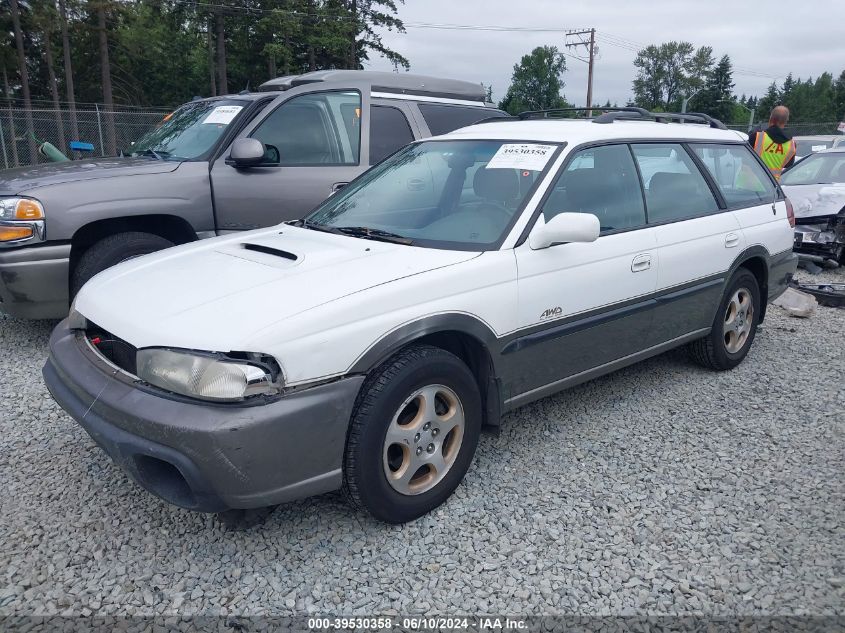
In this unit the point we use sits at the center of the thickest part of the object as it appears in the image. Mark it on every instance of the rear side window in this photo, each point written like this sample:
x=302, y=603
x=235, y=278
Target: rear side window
x=602, y=181
x=442, y=119
x=739, y=176
x=674, y=188
x=321, y=128
x=389, y=130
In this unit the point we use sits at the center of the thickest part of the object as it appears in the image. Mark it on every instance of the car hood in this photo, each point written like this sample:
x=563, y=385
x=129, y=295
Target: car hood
x=216, y=294
x=24, y=179
x=809, y=201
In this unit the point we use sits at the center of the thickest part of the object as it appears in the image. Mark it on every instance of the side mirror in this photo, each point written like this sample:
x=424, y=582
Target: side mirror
x=565, y=227
x=246, y=152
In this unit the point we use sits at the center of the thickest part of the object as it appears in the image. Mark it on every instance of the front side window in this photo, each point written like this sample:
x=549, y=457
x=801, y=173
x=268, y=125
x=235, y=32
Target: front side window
x=739, y=176
x=462, y=195
x=322, y=128
x=674, y=188
x=602, y=181
x=389, y=130
x=190, y=132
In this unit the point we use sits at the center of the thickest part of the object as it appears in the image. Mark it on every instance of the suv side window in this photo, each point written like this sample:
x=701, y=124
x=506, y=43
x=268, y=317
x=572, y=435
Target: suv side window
x=322, y=128
x=674, y=187
x=600, y=180
x=442, y=119
x=741, y=179
x=389, y=130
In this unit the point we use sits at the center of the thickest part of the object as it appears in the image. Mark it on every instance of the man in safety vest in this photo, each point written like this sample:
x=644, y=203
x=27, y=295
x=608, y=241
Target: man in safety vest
x=774, y=144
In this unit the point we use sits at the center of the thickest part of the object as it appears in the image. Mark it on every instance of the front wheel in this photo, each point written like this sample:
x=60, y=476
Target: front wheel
x=734, y=326
x=113, y=250
x=413, y=434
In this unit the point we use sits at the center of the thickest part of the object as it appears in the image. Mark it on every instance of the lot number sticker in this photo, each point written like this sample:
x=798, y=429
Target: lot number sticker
x=223, y=115
x=530, y=156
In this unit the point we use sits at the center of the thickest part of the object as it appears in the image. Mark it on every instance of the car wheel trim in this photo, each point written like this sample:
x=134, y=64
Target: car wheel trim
x=739, y=317
x=423, y=439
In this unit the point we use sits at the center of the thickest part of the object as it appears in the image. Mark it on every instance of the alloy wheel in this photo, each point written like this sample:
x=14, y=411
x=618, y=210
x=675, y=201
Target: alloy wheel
x=739, y=317
x=423, y=439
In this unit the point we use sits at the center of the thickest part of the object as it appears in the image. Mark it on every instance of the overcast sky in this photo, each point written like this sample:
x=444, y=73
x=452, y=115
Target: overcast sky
x=765, y=40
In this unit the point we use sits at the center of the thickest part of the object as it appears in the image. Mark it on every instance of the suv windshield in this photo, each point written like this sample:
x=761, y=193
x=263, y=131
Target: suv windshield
x=462, y=195
x=189, y=132
x=817, y=169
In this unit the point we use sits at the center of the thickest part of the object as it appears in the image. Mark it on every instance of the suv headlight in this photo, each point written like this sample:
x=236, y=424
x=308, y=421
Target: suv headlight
x=21, y=219
x=209, y=376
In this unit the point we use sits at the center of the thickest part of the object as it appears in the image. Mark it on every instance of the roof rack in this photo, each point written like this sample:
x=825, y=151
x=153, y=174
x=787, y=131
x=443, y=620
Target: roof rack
x=557, y=113
x=632, y=114
x=627, y=113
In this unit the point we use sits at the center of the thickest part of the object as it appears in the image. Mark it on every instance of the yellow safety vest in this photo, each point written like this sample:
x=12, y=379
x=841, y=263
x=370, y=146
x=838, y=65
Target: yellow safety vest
x=775, y=155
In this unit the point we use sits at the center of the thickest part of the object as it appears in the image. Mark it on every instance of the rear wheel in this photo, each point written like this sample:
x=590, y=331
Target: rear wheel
x=113, y=250
x=413, y=434
x=734, y=326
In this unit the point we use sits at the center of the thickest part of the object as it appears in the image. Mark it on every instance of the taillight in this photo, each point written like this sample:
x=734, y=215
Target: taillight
x=790, y=213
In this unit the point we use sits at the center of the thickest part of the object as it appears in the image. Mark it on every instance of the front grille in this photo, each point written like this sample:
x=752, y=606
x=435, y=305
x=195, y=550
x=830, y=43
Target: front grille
x=114, y=349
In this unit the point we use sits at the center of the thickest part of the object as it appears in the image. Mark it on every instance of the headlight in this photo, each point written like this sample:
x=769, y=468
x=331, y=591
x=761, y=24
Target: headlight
x=21, y=221
x=21, y=209
x=208, y=376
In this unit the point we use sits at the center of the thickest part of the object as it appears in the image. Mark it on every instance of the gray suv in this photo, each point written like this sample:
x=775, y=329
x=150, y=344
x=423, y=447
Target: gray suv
x=213, y=166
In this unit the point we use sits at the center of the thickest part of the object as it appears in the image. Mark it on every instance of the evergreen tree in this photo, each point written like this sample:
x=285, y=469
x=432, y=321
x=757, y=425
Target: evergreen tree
x=772, y=98
x=537, y=82
x=717, y=97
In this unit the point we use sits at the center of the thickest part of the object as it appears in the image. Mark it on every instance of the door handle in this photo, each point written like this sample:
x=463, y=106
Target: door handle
x=338, y=186
x=641, y=263
x=731, y=240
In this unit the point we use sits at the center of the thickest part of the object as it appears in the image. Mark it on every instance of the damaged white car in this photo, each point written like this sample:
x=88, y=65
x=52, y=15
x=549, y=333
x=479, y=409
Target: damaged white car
x=816, y=188
x=364, y=347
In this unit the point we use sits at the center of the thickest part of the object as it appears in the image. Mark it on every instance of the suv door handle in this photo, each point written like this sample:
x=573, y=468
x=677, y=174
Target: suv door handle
x=338, y=186
x=731, y=240
x=641, y=263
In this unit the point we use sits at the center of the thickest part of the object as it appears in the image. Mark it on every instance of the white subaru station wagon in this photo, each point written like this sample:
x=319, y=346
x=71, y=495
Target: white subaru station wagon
x=364, y=347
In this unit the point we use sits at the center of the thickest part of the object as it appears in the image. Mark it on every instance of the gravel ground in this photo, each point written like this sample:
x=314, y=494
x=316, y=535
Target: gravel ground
x=663, y=488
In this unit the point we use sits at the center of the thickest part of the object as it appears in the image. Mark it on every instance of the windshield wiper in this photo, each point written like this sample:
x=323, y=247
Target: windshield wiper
x=308, y=224
x=355, y=231
x=375, y=234
x=158, y=154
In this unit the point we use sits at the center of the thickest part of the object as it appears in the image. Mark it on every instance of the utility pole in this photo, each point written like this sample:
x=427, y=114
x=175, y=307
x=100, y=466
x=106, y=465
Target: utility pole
x=590, y=45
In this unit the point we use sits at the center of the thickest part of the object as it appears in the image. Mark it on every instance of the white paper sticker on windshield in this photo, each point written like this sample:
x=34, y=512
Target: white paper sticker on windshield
x=223, y=115
x=530, y=156
x=818, y=148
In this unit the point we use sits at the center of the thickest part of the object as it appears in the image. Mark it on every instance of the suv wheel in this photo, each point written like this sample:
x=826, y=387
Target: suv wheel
x=733, y=327
x=413, y=434
x=113, y=250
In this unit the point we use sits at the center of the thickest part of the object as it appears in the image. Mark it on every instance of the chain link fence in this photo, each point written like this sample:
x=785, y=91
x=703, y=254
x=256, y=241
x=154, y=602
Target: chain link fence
x=23, y=131
x=799, y=129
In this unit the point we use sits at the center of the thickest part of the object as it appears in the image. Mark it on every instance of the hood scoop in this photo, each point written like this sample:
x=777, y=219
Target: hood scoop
x=269, y=250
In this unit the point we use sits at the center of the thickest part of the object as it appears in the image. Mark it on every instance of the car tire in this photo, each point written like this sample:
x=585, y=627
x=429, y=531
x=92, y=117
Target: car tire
x=112, y=250
x=413, y=434
x=734, y=325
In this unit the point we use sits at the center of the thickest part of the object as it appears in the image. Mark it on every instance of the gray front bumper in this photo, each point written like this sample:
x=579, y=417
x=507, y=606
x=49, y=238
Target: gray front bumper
x=206, y=457
x=34, y=281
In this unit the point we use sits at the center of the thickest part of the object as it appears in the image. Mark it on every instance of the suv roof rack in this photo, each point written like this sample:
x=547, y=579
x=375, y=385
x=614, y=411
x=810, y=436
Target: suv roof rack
x=387, y=82
x=627, y=113
x=557, y=113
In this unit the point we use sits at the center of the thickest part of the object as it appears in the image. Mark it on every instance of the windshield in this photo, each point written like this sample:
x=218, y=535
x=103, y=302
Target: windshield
x=817, y=169
x=189, y=132
x=462, y=195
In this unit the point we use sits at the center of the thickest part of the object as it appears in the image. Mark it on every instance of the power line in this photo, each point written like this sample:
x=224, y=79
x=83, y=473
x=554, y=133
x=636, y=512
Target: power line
x=609, y=38
x=636, y=47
